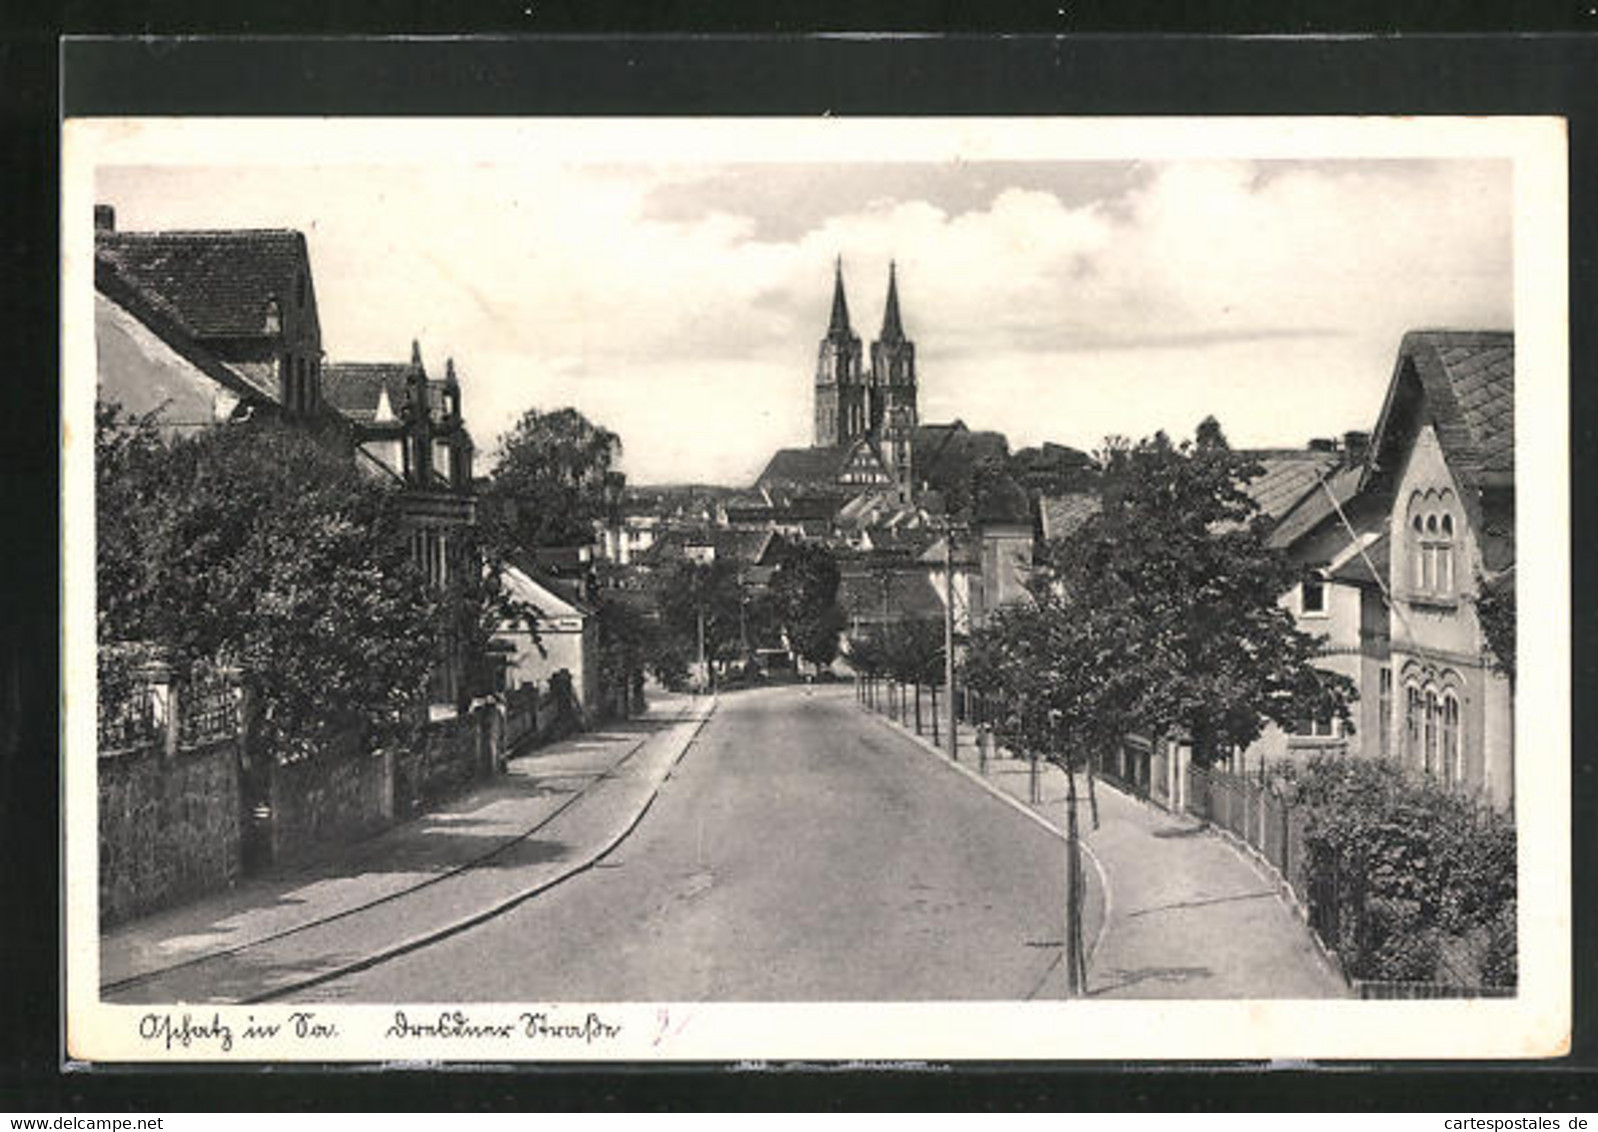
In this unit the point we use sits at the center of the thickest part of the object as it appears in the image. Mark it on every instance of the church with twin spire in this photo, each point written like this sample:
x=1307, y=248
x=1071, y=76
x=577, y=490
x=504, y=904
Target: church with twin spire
x=865, y=414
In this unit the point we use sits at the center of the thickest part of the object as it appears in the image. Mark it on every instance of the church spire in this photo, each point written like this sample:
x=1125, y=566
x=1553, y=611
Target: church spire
x=840, y=305
x=892, y=328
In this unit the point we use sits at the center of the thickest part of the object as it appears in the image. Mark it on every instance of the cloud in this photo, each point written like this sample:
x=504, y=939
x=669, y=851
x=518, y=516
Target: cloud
x=682, y=308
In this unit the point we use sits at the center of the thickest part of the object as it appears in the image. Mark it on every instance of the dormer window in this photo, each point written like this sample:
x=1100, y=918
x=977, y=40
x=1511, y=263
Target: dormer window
x=274, y=317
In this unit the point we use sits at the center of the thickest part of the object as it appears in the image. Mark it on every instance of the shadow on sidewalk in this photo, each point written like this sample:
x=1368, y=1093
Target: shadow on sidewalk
x=1120, y=979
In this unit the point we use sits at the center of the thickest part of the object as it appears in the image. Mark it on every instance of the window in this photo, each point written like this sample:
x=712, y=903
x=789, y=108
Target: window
x=1384, y=707
x=1430, y=749
x=1412, y=713
x=1316, y=728
x=1453, y=764
x=1312, y=597
x=1432, y=546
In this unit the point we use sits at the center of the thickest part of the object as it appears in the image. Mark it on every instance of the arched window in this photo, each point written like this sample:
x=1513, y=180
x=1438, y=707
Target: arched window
x=1432, y=544
x=1453, y=760
x=1418, y=574
x=1431, y=732
x=1412, y=726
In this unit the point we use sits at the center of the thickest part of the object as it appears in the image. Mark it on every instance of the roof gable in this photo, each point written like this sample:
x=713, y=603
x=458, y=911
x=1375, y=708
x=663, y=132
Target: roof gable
x=159, y=322
x=1062, y=515
x=359, y=389
x=1463, y=384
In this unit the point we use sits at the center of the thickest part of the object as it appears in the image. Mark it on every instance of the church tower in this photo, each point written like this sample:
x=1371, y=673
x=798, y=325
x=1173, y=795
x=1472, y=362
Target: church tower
x=840, y=382
x=893, y=388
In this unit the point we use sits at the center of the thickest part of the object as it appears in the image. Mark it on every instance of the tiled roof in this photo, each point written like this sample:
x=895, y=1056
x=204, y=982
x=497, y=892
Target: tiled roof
x=1466, y=380
x=255, y=383
x=910, y=540
x=809, y=466
x=1314, y=507
x=748, y=547
x=1289, y=475
x=910, y=593
x=542, y=593
x=214, y=284
x=1480, y=367
x=1061, y=515
x=354, y=388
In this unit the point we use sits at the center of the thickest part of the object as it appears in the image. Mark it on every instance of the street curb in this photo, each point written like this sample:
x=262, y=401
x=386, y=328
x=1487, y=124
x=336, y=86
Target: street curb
x=1021, y=808
x=387, y=898
x=425, y=939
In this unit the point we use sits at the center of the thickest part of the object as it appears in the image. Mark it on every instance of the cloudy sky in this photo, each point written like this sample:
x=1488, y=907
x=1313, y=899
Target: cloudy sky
x=681, y=304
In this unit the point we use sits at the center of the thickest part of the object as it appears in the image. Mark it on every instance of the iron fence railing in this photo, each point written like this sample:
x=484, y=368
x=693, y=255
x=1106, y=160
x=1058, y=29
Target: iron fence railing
x=1441, y=952
x=208, y=706
x=151, y=706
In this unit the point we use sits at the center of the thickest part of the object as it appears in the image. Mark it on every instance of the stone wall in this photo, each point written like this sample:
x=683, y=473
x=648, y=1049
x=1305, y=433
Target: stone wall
x=342, y=796
x=169, y=827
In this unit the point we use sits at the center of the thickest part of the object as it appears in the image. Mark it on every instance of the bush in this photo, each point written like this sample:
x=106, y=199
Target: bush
x=1417, y=872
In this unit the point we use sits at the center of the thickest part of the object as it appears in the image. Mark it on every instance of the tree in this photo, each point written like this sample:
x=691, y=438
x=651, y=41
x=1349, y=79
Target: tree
x=553, y=476
x=913, y=651
x=1495, y=609
x=261, y=548
x=804, y=593
x=628, y=644
x=694, y=597
x=1172, y=587
x=1159, y=615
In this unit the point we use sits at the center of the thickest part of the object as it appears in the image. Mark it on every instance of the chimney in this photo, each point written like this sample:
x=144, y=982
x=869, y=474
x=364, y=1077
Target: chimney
x=105, y=218
x=1356, y=445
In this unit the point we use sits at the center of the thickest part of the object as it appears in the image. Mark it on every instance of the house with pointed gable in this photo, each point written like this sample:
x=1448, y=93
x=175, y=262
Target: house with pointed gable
x=203, y=327
x=407, y=428
x=1400, y=534
x=564, y=637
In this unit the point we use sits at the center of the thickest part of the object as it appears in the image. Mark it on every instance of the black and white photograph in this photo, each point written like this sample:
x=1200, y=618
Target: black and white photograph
x=704, y=589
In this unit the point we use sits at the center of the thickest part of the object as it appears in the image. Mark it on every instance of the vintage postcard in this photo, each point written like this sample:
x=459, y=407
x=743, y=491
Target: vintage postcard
x=832, y=589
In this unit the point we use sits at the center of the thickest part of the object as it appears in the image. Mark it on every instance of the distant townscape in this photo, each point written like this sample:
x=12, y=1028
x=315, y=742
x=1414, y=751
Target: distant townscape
x=334, y=637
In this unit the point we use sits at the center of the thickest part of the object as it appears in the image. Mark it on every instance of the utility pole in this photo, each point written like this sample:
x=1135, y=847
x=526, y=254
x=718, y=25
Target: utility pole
x=948, y=641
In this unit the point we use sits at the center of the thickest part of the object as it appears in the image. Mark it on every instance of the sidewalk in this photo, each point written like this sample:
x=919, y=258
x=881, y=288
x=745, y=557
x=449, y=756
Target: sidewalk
x=1188, y=915
x=555, y=812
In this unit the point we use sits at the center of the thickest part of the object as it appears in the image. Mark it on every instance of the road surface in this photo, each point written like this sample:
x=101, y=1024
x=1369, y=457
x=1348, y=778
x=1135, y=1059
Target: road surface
x=800, y=851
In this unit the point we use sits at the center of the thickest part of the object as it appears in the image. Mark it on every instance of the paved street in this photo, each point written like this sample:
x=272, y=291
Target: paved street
x=1190, y=916
x=800, y=850
x=788, y=845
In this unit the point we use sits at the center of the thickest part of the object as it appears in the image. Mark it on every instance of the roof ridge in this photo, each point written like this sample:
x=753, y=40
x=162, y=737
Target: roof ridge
x=193, y=233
